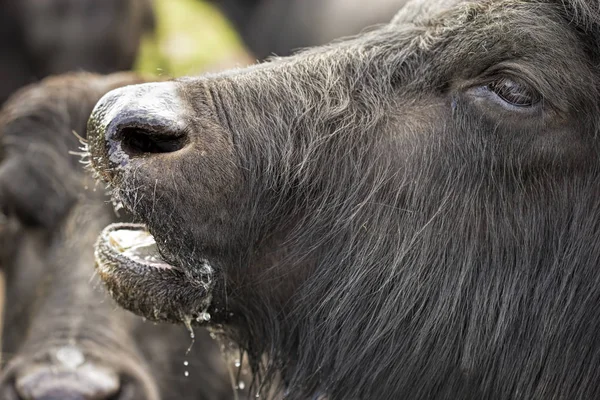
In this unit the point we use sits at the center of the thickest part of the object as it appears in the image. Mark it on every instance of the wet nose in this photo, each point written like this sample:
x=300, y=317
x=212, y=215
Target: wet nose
x=87, y=382
x=136, y=121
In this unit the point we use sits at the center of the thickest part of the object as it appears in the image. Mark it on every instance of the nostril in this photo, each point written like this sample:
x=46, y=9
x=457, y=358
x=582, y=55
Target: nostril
x=137, y=141
x=136, y=121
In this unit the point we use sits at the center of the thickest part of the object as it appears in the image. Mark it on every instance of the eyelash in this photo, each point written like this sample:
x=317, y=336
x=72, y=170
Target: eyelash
x=514, y=92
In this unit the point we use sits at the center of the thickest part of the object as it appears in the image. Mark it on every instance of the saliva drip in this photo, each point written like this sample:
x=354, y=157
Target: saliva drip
x=186, y=373
x=229, y=351
x=203, y=317
x=187, y=321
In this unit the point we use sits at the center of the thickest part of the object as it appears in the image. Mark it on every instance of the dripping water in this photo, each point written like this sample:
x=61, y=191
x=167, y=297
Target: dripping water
x=232, y=356
x=187, y=321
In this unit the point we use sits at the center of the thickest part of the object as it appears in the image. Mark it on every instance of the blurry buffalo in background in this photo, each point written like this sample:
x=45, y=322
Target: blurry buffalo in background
x=282, y=26
x=41, y=38
x=63, y=337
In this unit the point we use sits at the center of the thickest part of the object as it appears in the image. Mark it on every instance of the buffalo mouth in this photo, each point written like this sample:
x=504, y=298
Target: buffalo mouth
x=140, y=280
x=136, y=245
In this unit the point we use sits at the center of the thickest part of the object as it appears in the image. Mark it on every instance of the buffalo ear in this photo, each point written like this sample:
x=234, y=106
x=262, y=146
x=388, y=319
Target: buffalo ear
x=37, y=188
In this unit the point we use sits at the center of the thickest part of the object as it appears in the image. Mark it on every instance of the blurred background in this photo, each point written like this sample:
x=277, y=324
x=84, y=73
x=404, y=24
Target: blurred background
x=191, y=37
x=172, y=38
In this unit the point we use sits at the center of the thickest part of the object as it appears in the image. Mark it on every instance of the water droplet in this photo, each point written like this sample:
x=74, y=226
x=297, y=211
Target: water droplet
x=186, y=363
x=117, y=205
x=241, y=385
x=187, y=321
x=203, y=317
x=227, y=352
x=237, y=363
x=186, y=373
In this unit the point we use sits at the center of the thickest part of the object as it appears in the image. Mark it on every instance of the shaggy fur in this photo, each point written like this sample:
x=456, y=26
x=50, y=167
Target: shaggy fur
x=53, y=298
x=381, y=222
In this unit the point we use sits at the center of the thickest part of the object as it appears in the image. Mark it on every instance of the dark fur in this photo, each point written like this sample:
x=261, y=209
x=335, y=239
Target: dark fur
x=53, y=298
x=41, y=38
x=382, y=226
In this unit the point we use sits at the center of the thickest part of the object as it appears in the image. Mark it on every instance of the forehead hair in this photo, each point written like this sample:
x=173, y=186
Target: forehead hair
x=585, y=12
x=585, y=15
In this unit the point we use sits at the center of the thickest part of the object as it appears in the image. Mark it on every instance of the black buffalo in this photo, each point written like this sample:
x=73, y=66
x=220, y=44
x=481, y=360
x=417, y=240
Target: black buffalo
x=411, y=213
x=63, y=337
x=41, y=38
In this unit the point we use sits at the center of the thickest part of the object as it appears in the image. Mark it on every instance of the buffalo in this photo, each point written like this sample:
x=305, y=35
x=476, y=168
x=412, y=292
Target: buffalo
x=42, y=38
x=63, y=337
x=411, y=213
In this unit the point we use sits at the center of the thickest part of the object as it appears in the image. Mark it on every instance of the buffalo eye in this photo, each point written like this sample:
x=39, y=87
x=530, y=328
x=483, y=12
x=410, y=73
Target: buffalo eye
x=514, y=92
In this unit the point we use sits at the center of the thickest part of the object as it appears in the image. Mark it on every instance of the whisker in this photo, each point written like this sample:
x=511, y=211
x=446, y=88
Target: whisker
x=81, y=139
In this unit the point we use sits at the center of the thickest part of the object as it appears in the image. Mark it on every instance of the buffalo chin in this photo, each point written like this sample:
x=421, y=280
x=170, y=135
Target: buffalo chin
x=130, y=265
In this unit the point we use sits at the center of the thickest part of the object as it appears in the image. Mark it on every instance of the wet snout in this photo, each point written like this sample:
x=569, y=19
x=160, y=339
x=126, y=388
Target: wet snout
x=137, y=121
x=71, y=373
x=86, y=382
